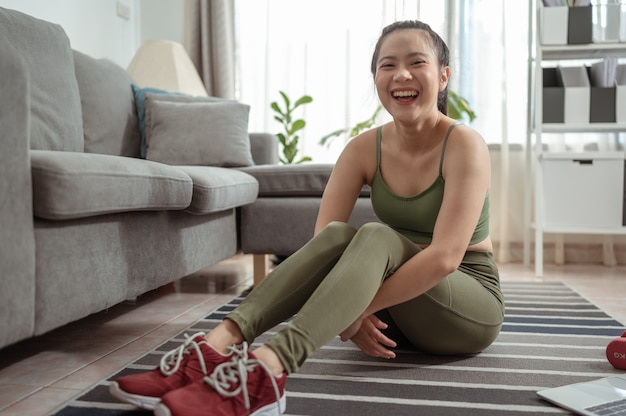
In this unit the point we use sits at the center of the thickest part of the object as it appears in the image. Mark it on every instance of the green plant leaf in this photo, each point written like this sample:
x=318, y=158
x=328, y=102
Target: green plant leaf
x=305, y=99
x=286, y=99
x=276, y=108
x=331, y=135
x=296, y=126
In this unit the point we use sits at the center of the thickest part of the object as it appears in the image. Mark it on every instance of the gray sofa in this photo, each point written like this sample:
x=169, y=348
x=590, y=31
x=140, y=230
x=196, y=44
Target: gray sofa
x=108, y=191
x=85, y=222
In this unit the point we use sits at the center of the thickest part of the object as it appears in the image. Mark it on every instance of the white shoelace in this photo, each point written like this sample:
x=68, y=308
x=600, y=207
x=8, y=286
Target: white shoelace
x=170, y=362
x=236, y=372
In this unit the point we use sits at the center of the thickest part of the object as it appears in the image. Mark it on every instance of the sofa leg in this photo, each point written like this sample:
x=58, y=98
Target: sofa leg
x=261, y=266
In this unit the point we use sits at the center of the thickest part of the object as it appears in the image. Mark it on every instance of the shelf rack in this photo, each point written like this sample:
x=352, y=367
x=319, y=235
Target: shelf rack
x=538, y=55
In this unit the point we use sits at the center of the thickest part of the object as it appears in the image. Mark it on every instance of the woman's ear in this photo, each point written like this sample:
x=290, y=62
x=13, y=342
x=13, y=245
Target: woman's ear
x=445, y=77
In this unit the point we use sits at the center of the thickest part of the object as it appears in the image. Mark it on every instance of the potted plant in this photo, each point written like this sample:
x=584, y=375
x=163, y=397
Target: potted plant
x=289, y=138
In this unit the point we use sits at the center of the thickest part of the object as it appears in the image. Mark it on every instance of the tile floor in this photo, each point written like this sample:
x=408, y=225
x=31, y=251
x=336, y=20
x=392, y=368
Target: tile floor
x=37, y=376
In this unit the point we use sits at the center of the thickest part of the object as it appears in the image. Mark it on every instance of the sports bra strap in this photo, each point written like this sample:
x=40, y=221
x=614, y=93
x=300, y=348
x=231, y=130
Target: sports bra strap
x=379, y=138
x=443, y=148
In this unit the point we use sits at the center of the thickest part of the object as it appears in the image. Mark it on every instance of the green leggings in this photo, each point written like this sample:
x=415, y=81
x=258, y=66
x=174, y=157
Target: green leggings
x=330, y=281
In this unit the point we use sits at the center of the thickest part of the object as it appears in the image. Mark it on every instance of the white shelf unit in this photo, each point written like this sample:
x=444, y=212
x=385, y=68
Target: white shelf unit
x=551, y=55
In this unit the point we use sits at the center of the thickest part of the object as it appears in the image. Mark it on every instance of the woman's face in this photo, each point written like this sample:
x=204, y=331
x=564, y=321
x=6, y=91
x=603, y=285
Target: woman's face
x=408, y=74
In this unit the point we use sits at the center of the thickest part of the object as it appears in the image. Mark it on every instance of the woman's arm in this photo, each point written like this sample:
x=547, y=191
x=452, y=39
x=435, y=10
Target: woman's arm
x=350, y=173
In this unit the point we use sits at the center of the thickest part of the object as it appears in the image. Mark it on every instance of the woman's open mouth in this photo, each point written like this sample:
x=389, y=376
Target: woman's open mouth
x=404, y=95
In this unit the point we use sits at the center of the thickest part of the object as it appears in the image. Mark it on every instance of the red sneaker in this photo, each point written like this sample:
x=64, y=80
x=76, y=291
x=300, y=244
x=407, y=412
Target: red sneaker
x=241, y=386
x=190, y=362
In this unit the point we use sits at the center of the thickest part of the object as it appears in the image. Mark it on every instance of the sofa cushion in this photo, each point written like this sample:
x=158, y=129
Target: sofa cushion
x=307, y=179
x=75, y=185
x=56, y=120
x=109, y=117
x=158, y=94
x=198, y=133
x=217, y=189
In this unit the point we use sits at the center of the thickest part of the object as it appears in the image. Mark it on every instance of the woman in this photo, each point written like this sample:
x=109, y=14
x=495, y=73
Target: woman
x=428, y=271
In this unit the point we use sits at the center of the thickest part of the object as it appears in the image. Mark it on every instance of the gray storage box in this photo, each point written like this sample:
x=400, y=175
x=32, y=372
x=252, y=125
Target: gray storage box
x=553, y=96
x=602, y=107
x=579, y=26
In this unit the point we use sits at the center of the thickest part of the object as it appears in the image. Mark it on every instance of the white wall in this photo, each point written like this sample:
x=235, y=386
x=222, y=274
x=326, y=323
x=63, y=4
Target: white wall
x=95, y=28
x=163, y=19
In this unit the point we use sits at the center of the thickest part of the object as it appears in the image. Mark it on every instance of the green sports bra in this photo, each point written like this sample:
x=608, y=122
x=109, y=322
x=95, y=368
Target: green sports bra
x=415, y=216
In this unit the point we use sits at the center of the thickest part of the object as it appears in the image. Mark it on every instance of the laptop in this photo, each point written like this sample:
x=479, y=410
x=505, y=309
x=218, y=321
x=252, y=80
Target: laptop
x=602, y=397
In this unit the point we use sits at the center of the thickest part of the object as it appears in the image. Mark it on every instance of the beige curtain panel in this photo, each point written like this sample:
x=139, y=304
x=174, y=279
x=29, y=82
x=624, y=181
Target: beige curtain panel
x=210, y=41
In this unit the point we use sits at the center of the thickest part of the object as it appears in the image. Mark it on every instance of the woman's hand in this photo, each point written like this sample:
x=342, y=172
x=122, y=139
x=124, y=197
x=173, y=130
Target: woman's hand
x=366, y=333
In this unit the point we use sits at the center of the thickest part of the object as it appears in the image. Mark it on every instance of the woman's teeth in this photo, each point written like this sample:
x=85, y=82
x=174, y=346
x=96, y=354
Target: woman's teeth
x=404, y=94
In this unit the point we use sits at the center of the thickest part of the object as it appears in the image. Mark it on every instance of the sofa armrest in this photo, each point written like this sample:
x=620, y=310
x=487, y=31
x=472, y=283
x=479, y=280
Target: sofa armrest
x=264, y=148
x=17, y=245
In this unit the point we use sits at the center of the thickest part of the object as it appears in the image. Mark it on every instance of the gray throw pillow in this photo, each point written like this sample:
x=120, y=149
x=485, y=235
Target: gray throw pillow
x=140, y=104
x=198, y=133
x=160, y=95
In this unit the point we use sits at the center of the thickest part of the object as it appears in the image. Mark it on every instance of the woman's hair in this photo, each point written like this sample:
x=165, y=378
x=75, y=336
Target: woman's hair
x=439, y=47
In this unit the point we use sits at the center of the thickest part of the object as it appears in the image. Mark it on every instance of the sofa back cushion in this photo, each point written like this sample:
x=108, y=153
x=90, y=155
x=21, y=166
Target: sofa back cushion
x=109, y=116
x=55, y=112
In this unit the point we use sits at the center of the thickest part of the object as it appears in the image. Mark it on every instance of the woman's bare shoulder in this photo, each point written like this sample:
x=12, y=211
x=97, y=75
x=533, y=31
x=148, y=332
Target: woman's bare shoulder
x=365, y=139
x=464, y=140
x=359, y=155
x=360, y=146
x=466, y=148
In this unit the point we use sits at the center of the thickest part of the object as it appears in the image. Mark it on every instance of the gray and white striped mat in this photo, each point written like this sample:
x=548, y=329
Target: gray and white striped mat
x=552, y=336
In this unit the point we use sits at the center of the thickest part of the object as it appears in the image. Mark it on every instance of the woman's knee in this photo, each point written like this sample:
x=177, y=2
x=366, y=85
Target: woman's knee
x=378, y=234
x=338, y=231
x=377, y=228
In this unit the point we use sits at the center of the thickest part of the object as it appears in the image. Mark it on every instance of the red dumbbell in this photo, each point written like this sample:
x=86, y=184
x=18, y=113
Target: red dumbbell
x=616, y=352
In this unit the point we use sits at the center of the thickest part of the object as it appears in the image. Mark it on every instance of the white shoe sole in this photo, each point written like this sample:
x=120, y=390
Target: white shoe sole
x=271, y=409
x=143, y=402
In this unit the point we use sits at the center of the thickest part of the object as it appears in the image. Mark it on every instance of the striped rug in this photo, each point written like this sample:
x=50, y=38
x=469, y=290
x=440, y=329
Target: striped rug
x=552, y=336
